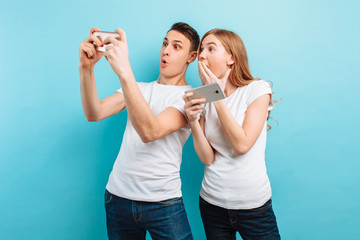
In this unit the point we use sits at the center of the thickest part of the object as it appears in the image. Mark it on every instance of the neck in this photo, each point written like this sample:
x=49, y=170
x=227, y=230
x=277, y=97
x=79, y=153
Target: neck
x=176, y=80
x=229, y=88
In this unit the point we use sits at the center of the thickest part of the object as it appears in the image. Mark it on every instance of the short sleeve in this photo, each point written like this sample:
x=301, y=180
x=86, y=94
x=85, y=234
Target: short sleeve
x=178, y=102
x=257, y=89
x=140, y=84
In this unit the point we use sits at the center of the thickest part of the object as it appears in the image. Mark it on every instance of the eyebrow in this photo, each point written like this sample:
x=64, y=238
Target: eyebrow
x=177, y=41
x=209, y=43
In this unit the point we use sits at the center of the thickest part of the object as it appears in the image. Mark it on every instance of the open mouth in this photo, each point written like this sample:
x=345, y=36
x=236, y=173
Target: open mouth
x=163, y=62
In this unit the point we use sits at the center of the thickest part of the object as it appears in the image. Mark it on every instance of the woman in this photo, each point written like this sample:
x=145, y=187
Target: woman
x=230, y=138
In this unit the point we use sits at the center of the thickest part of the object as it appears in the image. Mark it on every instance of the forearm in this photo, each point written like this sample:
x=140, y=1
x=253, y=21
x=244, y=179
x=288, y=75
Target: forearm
x=139, y=111
x=89, y=97
x=233, y=131
x=201, y=145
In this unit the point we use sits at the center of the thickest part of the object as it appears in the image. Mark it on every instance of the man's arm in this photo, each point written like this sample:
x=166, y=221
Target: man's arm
x=94, y=109
x=147, y=125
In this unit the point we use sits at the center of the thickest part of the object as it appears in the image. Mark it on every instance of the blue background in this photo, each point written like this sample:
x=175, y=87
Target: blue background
x=54, y=165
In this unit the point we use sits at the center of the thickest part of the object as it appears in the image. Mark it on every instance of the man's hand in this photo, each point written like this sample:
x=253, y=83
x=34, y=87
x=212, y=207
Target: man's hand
x=87, y=51
x=118, y=54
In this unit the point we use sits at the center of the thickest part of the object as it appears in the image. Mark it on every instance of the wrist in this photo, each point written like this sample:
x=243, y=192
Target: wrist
x=219, y=103
x=125, y=74
x=86, y=67
x=193, y=123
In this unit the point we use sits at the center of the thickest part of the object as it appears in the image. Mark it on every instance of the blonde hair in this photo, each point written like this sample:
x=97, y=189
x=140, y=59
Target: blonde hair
x=240, y=72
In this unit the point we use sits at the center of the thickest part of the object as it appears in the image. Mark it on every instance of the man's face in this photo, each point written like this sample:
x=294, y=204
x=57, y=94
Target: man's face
x=174, y=54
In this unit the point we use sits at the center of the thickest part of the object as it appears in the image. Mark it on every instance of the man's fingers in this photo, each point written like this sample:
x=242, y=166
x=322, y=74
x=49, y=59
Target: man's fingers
x=94, y=29
x=91, y=47
x=95, y=39
x=112, y=40
x=122, y=34
x=87, y=50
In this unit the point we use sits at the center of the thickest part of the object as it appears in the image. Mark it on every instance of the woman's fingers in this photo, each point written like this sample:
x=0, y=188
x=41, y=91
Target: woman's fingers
x=194, y=102
x=202, y=72
x=208, y=72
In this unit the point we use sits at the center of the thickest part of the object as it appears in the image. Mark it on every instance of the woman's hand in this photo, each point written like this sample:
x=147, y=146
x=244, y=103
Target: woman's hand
x=193, y=107
x=207, y=76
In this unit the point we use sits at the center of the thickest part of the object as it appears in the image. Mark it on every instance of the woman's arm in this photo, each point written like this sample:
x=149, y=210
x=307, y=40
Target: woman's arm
x=202, y=147
x=243, y=138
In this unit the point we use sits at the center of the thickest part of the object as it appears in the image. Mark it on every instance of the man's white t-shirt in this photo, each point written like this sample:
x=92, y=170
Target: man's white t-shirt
x=151, y=171
x=231, y=181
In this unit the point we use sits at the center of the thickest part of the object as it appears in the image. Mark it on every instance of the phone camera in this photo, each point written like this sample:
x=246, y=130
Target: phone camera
x=216, y=91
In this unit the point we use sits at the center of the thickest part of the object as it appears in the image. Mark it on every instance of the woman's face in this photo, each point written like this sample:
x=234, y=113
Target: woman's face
x=214, y=56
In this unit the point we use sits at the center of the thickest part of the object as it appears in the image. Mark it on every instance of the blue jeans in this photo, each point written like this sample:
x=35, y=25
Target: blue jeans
x=127, y=219
x=220, y=223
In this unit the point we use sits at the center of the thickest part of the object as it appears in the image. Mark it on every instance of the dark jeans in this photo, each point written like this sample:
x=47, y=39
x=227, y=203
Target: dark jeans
x=127, y=219
x=220, y=223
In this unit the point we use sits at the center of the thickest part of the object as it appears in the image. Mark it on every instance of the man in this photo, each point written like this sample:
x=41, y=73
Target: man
x=144, y=188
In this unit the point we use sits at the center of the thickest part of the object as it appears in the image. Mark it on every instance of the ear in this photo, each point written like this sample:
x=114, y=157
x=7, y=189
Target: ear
x=230, y=60
x=192, y=57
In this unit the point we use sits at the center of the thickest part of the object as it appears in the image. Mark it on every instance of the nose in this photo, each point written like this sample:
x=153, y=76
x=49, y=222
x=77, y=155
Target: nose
x=166, y=50
x=202, y=55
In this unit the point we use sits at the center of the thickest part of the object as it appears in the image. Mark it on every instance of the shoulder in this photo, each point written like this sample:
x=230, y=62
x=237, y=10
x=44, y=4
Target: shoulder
x=256, y=89
x=259, y=84
x=144, y=84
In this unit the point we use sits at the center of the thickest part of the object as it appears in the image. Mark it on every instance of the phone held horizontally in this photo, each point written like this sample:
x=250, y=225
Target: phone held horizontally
x=211, y=92
x=103, y=36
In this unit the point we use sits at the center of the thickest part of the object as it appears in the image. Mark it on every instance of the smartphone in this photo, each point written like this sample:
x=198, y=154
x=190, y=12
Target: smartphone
x=212, y=92
x=103, y=36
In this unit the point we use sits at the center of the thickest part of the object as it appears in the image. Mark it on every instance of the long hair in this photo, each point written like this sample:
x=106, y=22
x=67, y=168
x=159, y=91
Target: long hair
x=240, y=72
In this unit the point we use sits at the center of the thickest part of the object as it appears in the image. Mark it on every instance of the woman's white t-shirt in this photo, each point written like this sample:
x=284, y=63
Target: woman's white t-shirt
x=151, y=171
x=231, y=181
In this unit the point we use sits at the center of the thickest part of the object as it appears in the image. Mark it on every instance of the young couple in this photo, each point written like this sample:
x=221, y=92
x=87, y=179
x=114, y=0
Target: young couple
x=144, y=188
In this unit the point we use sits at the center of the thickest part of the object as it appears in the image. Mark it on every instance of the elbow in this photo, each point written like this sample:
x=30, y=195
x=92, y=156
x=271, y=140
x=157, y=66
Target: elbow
x=241, y=150
x=208, y=161
x=145, y=139
x=92, y=118
x=149, y=136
